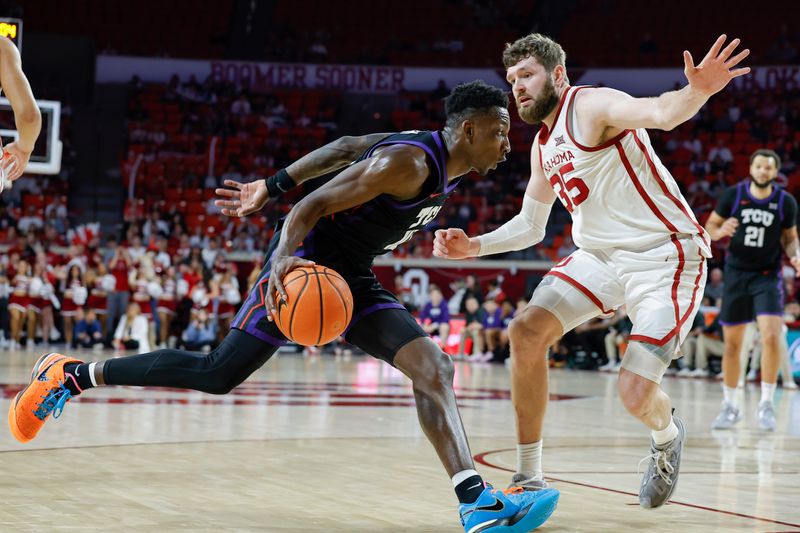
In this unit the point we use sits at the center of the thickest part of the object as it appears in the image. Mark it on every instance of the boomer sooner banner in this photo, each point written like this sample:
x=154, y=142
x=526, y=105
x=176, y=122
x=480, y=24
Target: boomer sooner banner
x=393, y=79
x=266, y=76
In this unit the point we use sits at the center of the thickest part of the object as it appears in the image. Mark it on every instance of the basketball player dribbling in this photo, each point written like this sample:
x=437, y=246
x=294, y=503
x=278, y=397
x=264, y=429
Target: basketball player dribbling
x=371, y=194
x=639, y=243
x=27, y=117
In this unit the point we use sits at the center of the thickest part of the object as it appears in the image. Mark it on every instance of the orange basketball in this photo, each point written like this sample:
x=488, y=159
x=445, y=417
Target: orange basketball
x=320, y=305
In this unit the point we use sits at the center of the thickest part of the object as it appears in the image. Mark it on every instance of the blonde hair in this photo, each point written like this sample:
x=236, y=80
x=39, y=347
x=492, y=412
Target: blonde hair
x=542, y=48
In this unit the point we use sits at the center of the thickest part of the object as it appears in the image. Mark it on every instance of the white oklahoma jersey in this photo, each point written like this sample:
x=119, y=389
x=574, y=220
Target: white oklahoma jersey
x=619, y=193
x=639, y=243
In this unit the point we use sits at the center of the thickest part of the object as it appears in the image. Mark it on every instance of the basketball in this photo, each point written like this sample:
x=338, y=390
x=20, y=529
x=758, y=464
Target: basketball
x=319, y=305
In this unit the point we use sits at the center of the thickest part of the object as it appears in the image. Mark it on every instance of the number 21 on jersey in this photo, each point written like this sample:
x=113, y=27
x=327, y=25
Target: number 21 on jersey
x=571, y=190
x=754, y=236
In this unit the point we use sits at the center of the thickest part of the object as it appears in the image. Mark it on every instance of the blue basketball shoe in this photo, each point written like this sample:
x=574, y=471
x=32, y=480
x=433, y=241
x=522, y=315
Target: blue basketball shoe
x=511, y=511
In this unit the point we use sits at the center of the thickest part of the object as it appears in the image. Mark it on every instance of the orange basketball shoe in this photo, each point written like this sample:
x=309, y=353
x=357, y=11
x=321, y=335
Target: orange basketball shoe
x=45, y=394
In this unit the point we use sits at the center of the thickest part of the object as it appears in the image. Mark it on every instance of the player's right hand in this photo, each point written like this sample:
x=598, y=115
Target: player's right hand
x=451, y=243
x=242, y=198
x=14, y=161
x=729, y=227
x=281, y=265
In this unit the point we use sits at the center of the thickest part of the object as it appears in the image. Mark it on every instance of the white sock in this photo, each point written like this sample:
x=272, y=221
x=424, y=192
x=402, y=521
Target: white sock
x=665, y=435
x=730, y=395
x=529, y=459
x=767, y=391
x=91, y=373
x=464, y=474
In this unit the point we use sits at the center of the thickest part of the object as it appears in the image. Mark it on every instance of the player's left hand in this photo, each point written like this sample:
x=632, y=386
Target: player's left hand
x=14, y=160
x=242, y=198
x=717, y=67
x=796, y=264
x=281, y=266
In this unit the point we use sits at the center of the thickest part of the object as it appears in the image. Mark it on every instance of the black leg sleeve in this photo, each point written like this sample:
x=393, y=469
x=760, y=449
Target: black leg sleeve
x=217, y=372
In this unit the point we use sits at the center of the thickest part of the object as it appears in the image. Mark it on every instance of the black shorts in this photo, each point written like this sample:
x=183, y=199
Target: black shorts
x=748, y=294
x=380, y=326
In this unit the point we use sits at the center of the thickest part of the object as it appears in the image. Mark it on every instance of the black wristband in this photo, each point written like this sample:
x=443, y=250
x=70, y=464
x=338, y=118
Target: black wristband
x=279, y=183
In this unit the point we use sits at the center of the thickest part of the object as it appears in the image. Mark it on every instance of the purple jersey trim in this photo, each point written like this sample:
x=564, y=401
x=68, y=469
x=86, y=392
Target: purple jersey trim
x=255, y=332
x=780, y=205
x=371, y=309
x=735, y=323
x=738, y=198
x=765, y=200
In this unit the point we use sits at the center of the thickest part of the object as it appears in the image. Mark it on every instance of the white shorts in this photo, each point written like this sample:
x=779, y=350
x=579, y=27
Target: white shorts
x=661, y=288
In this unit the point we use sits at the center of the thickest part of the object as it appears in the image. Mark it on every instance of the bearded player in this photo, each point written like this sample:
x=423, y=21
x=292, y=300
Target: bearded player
x=639, y=243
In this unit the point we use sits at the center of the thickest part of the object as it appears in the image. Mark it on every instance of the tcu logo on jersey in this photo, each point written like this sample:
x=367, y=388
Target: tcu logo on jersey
x=424, y=217
x=757, y=216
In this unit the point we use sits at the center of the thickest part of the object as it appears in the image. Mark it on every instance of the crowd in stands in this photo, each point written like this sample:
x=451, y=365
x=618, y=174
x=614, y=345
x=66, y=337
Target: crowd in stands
x=466, y=33
x=165, y=278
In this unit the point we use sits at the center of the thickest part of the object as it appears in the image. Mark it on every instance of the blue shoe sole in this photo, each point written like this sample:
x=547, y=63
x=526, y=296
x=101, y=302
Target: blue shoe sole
x=537, y=514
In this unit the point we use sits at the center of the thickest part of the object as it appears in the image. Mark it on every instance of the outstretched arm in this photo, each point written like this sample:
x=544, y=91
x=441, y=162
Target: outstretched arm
x=398, y=170
x=242, y=199
x=27, y=116
x=609, y=108
x=524, y=230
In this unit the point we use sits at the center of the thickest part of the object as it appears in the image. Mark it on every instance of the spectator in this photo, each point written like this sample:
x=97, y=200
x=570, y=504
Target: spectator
x=473, y=329
x=689, y=350
x=710, y=342
x=715, y=286
x=201, y=335
x=119, y=267
x=506, y=316
x=31, y=220
x=88, y=330
x=492, y=325
x=721, y=153
x=471, y=288
x=567, y=247
x=616, y=339
x=435, y=317
x=132, y=332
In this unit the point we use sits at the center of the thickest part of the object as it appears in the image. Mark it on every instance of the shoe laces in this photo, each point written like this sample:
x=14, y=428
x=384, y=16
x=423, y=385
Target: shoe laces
x=509, y=491
x=53, y=402
x=663, y=468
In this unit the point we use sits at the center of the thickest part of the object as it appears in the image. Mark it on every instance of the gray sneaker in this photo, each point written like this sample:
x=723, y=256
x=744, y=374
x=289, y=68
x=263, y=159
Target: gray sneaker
x=661, y=477
x=766, y=416
x=528, y=483
x=727, y=417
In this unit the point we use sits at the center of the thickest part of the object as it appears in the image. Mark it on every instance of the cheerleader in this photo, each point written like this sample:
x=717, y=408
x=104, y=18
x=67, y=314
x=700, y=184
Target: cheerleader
x=39, y=302
x=100, y=283
x=18, y=301
x=229, y=297
x=75, y=294
x=167, y=304
x=48, y=301
x=199, y=295
x=141, y=295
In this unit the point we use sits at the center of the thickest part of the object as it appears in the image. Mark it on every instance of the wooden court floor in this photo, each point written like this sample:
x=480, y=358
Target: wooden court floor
x=334, y=446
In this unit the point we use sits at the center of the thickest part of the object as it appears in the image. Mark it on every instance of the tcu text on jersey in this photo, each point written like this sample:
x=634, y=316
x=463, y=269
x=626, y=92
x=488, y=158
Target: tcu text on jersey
x=424, y=218
x=757, y=216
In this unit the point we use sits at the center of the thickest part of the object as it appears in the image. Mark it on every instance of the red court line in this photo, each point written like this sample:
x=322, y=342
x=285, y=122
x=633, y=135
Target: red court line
x=481, y=458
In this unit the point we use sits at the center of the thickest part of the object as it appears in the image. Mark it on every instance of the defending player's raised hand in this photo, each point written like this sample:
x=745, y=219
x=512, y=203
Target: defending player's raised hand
x=717, y=67
x=280, y=267
x=729, y=227
x=451, y=243
x=14, y=161
x=242, y=199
